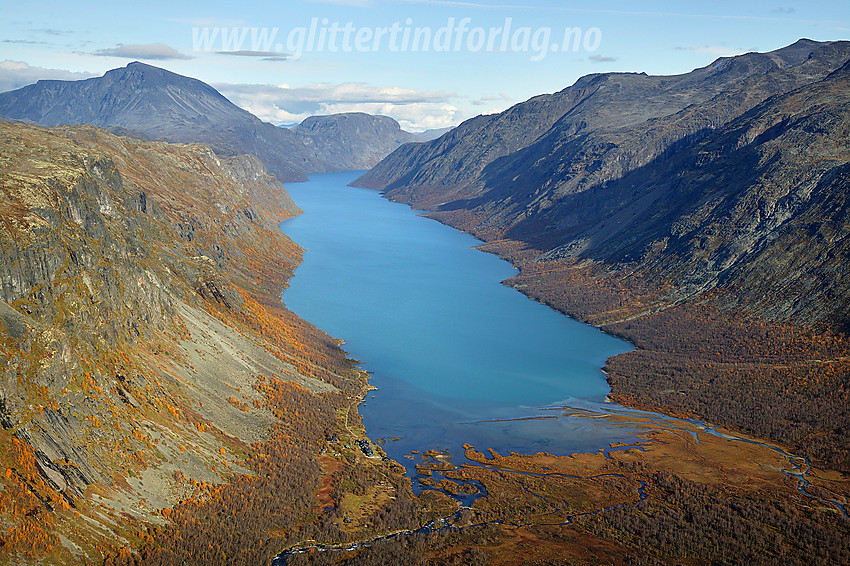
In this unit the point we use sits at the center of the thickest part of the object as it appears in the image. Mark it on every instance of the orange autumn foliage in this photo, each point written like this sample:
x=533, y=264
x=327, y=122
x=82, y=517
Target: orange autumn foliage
x=27, y=502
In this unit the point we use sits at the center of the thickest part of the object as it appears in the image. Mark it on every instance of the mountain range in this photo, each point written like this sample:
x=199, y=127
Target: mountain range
x=152, y=103
x=702, y=180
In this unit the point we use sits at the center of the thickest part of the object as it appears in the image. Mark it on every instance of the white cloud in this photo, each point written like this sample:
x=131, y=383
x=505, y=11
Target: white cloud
x=602, y=59
x=489, y=99
x=15, y=74
x=25, y=41
x=150, y=51
x=285, y=105
x=264, y=55
x=716, y=50
x=52, y=31
x=356, y=3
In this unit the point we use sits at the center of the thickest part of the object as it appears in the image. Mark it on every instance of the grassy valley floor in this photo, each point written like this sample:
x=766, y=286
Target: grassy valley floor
x=683, y=495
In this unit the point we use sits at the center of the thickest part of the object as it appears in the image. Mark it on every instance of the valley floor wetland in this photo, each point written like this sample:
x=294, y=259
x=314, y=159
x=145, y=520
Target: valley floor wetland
x=500, y=404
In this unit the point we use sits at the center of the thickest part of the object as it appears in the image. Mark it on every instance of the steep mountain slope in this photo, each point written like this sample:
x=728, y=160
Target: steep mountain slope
x=563, y=191
x=145, y=356
x=104, y=276
x=599, y=128
x=759, y=207
x=162, y=105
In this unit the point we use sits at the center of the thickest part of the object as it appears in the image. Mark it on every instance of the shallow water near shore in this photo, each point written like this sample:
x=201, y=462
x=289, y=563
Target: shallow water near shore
x=456, y=357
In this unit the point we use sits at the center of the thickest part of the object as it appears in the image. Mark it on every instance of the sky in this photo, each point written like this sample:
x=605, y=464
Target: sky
x=426, y=63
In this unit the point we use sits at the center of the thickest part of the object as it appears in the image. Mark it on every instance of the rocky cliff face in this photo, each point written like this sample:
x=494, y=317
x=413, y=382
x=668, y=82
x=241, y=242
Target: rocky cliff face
x=133, y=331
x=560, y=173
x=151, y=103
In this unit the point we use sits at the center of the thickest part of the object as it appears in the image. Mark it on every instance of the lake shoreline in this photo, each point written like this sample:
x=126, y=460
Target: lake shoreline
x=586, y=291
x=497, y=341
x=590, y=490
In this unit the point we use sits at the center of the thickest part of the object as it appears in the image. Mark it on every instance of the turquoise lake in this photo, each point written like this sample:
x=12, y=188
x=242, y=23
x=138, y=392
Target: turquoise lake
x=456, y=357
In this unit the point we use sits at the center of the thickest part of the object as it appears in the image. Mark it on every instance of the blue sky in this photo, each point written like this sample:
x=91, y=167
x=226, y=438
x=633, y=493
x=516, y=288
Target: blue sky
x=283, y=80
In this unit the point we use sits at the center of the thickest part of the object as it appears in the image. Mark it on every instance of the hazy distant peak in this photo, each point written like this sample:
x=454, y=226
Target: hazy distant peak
x=348, y=118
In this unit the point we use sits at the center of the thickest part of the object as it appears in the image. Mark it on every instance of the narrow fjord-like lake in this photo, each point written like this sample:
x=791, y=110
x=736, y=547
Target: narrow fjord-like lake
x=456, y=357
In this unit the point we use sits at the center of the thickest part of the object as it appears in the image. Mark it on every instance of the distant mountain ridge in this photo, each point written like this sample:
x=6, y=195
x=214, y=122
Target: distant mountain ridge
x=596, y=111
x=162, y=105
x=351, y=141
